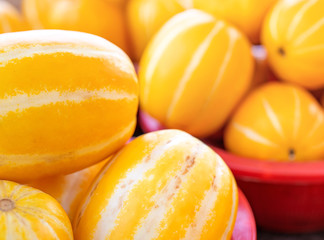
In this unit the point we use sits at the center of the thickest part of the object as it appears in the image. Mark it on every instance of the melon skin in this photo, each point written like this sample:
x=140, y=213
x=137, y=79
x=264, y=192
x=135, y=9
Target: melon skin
x=194, y=72
x=67, y=101
x=28, y=213
x=162, y=185
x=246, y=15
x=102, y=18
x=292, y=34
x=277, y=122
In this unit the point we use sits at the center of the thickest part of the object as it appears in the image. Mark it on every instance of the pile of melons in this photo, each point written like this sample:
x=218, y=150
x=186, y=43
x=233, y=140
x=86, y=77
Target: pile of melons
x=199, y=74
x=69, y=102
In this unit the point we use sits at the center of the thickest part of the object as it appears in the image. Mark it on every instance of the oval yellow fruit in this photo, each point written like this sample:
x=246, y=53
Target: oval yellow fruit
x=277, y=121
x=69, y=190
x=146, y=17
x=293, y=34
x=67, y=100
x=162, y=185
x=194, y=72
x=247, y=15
x=10, y=19
x=100, y=17
x=27, y=213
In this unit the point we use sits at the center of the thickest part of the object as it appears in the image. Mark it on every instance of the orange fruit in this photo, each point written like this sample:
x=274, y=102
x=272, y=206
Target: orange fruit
x=27, y=213
x=67, y=100
x=10, y=19
x=247, y=15
x=322, y=99
x=146, y=17
x=279, y=122
x=69, y=189
x=194, y=72
x=293, y=35
x=103, y=18
x=162, y=185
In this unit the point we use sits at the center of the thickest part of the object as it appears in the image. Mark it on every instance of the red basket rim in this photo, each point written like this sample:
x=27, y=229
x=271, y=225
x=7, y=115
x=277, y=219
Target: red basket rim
x=284, y=172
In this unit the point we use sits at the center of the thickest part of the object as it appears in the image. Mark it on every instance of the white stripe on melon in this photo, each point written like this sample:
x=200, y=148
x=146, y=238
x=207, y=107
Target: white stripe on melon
x=25, y=101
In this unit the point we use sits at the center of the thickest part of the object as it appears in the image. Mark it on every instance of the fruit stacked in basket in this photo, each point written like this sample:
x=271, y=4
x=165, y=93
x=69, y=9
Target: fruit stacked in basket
x=69, y=102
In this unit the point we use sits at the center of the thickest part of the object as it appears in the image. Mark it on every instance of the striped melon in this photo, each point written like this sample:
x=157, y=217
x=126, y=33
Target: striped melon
x=194, y=72
x=69, y=189
x=27, y=213
x=247, y=15
x=67, y=100
x=10, y=19
x=277, y=121
x=293, y=34
x=145, y=18
x=162, y=185
x=104, y=18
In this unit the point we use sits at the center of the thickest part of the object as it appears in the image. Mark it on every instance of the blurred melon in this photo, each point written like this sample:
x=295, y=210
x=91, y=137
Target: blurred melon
x=277, y=121
x=105, y=18
x=247, y=15
x=194, y=72
x=146, y=17
x=293, y=34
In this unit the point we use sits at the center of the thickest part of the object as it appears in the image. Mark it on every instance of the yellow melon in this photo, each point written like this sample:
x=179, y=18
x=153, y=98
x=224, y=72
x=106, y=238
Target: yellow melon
x=280, y=122
x=67, y=100
x=27, y=213
x=194, y=72
x=162, y=185
x=293, y=35
x=247, y=15
x=100, y=17
x=146, y=17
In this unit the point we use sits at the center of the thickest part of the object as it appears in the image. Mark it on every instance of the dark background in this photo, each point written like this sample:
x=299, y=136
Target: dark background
x=273, y=236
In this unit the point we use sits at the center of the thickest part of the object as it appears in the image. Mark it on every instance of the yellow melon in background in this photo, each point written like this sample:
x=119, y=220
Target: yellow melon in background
x=247, y=15
x=100, y=17
x=10, y=19
x=146, y=17
x=194, y=72
x=293, y=35
x=280, y=122
x=67, y=100
x=27, y=213
x=162, y=185
x=69, y=189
